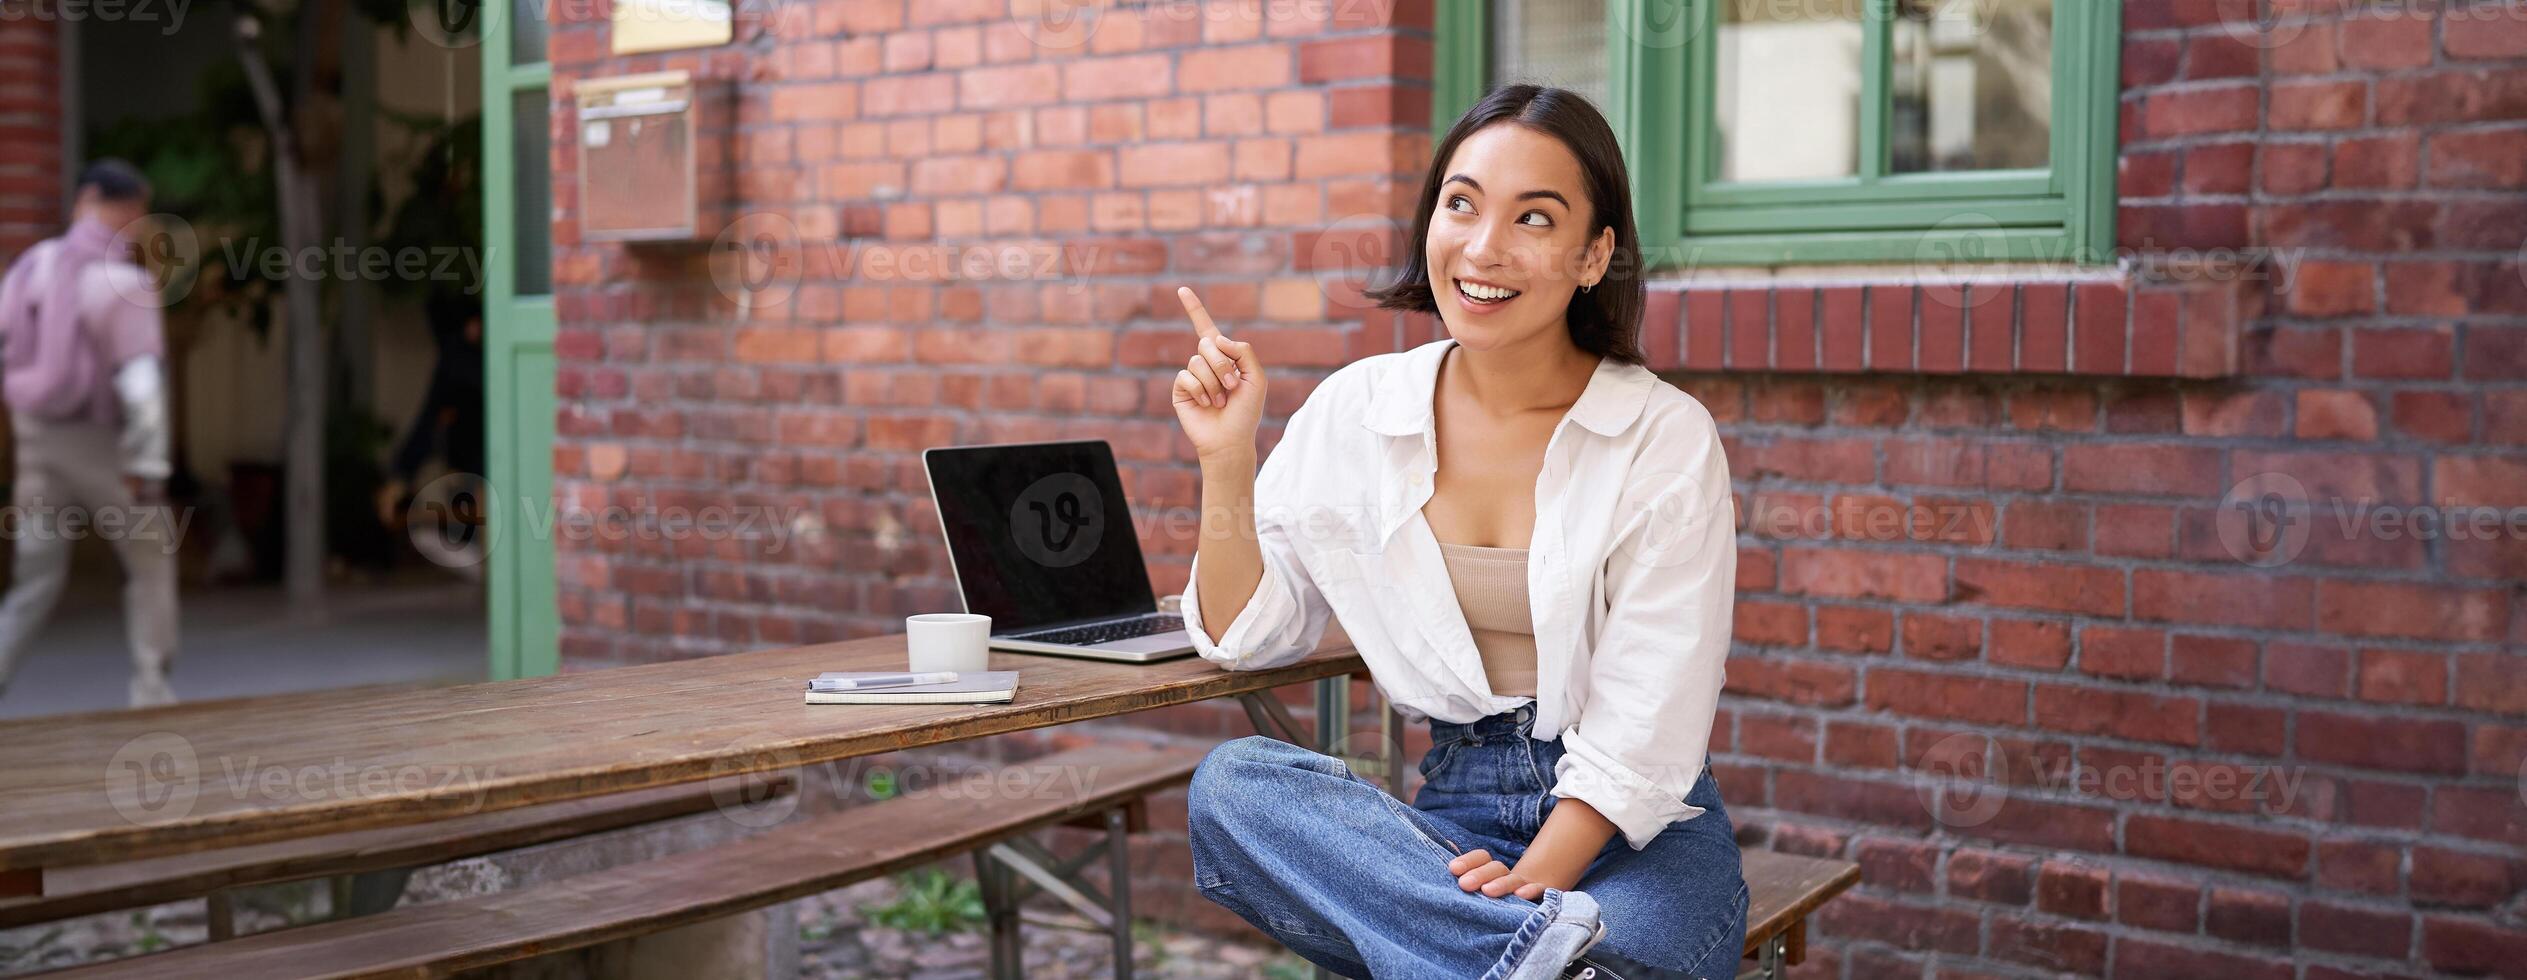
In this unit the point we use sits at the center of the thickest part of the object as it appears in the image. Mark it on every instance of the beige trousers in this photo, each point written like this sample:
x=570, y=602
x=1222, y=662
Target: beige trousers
x=69, y=486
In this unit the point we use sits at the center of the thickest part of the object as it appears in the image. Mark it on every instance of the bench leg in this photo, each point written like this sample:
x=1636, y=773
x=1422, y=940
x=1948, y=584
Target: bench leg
x=1270, y=718
x=1119, y=888
x=1009, y=871
x=221, y=910
x=1771, y=958
x=1333, y=716
x=1000, y=915
x=372, y=892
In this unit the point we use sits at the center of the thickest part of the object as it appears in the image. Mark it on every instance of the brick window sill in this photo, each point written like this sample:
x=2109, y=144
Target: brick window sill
x=2156, y=322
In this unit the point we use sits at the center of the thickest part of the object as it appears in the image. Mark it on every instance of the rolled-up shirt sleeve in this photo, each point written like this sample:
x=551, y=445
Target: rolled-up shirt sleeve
x=1287, y=616
x=1656, y=670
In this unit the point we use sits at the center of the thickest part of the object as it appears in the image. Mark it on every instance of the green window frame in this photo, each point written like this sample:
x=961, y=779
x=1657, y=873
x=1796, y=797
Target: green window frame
x=1661, y=86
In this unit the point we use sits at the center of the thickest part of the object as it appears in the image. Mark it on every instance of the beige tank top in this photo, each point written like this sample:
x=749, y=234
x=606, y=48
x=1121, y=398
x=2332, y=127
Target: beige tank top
x=1491, y=585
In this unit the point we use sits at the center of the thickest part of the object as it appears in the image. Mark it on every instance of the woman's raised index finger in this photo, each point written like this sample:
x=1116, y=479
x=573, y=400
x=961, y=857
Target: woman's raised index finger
x=1202, y=325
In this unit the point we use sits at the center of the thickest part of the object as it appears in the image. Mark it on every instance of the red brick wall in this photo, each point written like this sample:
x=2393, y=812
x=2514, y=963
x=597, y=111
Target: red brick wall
x=30, y=133
x=1989, y=510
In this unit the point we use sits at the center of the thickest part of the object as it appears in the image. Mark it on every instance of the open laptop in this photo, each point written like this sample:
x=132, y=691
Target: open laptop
x=1040, y=539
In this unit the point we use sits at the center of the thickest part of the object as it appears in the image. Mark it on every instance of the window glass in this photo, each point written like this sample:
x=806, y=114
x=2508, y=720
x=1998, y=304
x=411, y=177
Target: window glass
x=531, y=248
x=1971, y=85
x=1787, y=102
x=1561, y=43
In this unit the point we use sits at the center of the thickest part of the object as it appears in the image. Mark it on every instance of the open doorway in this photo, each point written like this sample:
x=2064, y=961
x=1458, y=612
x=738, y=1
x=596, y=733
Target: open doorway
x=386, y=118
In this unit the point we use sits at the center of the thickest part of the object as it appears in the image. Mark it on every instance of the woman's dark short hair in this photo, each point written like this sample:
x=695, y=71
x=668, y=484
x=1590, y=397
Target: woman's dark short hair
x=1605, y=320
x=115, y=179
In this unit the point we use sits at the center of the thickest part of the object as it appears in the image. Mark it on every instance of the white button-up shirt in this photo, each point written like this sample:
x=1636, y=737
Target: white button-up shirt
x=1631, y=574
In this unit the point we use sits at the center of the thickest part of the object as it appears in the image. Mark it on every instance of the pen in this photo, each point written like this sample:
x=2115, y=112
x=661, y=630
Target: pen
x=882, y=680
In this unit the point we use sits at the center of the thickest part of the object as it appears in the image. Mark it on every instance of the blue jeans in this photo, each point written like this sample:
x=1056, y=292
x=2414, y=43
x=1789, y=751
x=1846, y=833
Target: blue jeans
x=1357, y=882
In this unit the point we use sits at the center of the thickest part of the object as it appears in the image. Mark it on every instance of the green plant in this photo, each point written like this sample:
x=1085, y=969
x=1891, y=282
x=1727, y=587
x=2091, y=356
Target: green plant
x=1147, y=935
x=930, y=902
x=151, y=940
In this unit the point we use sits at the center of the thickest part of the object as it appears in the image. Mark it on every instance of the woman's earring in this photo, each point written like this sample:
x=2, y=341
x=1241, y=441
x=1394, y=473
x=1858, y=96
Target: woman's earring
x=1587, y=287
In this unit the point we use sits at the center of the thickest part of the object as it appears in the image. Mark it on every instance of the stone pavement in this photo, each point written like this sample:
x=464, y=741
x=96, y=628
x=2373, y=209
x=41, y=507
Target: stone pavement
x=424, y=627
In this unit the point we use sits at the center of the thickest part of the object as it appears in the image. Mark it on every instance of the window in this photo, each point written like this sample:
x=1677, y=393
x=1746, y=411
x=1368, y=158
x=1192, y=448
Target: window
x=1777, y=131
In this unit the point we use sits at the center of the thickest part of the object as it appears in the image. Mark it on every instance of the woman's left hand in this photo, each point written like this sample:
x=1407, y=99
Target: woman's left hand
x=1476, y=870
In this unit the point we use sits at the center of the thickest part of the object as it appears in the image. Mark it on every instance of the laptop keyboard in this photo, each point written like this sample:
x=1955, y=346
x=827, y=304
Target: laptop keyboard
x=1084, y=636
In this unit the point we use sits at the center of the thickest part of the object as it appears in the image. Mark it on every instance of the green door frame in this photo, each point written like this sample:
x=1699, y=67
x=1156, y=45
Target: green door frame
x=518, y=367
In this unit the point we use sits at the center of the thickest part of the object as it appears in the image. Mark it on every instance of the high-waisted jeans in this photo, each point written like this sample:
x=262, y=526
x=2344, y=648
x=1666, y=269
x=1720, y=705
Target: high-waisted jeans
x=1357, y=882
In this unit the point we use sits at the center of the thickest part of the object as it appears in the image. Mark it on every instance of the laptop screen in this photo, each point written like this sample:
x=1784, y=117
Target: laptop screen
x=1040, y=533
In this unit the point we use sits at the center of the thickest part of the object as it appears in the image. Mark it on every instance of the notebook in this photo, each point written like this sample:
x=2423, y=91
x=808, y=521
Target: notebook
x=973, y=687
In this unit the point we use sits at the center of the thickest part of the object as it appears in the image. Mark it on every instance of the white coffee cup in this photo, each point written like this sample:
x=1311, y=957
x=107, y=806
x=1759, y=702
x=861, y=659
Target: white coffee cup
x=949, y=641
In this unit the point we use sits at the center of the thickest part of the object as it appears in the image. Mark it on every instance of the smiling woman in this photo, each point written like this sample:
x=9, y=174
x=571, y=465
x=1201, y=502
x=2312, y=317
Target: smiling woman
x=1527, y=537
x=1568, y=247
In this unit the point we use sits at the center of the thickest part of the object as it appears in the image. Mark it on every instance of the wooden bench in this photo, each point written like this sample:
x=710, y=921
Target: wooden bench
x=390, y=853
x=1783, y=889
x=989, y=811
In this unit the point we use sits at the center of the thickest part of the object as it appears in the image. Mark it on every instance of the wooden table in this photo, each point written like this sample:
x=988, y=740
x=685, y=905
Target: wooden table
x=125, y=785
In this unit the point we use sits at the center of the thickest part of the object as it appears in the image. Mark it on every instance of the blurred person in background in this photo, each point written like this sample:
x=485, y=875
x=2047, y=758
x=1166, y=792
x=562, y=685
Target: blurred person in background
x=83, y=345
x=449, y=423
